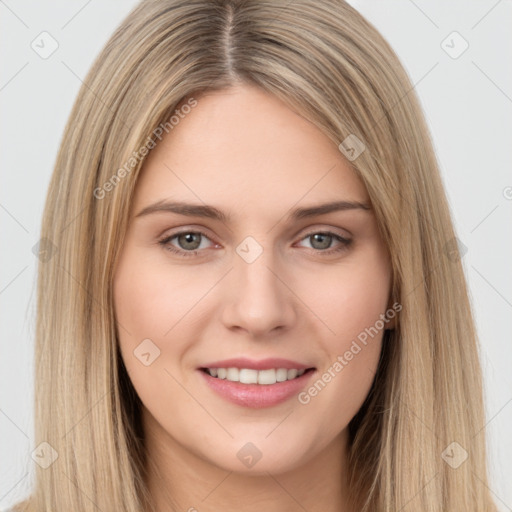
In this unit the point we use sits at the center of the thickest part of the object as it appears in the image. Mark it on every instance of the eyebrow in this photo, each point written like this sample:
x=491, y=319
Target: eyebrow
x=207, y=211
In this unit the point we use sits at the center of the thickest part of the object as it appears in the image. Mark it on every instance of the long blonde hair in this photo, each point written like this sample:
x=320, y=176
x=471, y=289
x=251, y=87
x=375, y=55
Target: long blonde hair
x=329, y=64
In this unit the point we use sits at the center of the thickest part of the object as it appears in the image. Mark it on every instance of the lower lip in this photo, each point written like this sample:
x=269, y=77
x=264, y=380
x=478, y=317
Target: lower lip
x=257, y=396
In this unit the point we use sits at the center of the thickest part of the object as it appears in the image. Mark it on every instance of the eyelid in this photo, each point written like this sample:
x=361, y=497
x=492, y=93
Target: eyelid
x=185, y=228
x=322, y=228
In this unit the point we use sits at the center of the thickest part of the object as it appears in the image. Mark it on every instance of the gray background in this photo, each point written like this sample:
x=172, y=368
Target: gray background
x=468, y=105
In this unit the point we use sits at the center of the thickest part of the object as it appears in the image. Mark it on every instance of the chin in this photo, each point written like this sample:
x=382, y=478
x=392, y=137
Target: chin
x=258, y=455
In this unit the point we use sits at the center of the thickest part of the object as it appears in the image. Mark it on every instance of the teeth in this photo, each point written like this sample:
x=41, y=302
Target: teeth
x=292, y=374
x=232, y=374
x=281, y=374
x=248, y=376
x=267, y=377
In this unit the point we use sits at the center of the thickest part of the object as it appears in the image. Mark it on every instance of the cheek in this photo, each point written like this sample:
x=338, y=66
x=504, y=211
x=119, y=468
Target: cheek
x=351, y=302
x=147, y=306
x=350, y=298
x=149, y=302
x=154, y=301
x=150, y=299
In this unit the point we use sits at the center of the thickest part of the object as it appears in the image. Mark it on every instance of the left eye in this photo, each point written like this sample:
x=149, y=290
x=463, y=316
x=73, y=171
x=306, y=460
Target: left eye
x=322, y=241
x=190, y=242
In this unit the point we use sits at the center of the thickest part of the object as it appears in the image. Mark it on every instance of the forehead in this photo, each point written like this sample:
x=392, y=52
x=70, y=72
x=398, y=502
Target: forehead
x=242, y=146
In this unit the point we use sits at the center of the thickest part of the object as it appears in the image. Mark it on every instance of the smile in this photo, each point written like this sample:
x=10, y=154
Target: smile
x=250, y=376
x=256, y=384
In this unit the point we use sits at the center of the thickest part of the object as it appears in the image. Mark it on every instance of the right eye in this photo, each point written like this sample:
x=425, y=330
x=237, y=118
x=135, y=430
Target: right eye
x=189, y=243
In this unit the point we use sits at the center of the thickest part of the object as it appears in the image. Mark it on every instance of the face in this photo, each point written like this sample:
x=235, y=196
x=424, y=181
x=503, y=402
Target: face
x=250, y=284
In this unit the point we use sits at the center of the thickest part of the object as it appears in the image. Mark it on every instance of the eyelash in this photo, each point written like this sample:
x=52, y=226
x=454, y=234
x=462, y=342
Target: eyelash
x=345, y=243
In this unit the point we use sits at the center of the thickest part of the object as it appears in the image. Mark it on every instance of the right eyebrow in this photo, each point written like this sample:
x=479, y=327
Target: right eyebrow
x=188, y=209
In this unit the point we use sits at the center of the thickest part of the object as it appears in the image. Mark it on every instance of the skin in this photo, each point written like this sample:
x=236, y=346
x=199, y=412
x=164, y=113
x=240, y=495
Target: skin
x=251, y=156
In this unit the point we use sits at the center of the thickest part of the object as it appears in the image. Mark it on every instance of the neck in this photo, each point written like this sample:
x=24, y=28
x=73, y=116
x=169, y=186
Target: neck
x=179, y=480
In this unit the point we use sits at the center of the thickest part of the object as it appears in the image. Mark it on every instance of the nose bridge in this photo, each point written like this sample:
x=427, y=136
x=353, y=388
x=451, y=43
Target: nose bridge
x=258, y=301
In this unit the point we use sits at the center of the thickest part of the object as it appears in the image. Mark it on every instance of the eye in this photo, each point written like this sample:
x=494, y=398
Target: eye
x=321, y=241
x=189, y=243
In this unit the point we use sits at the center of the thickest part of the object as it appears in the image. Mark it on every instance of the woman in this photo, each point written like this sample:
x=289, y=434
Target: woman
x=255, y=298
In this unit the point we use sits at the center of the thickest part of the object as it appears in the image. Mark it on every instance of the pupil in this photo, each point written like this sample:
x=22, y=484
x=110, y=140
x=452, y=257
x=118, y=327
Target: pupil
x=325, y=240
x=187, y=240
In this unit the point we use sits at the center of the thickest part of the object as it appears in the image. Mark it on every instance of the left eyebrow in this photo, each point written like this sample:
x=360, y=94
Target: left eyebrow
x=207, y=211
x=321, y=209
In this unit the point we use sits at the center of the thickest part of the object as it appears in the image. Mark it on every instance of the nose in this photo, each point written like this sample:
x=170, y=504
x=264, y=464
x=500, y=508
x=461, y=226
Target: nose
x=259, y=300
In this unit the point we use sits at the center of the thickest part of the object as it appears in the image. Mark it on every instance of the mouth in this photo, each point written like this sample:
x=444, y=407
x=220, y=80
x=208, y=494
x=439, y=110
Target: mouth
x=260, y=377
x=256, y=384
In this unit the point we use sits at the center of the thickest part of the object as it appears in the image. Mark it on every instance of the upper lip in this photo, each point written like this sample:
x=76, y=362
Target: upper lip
x=261, y=364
